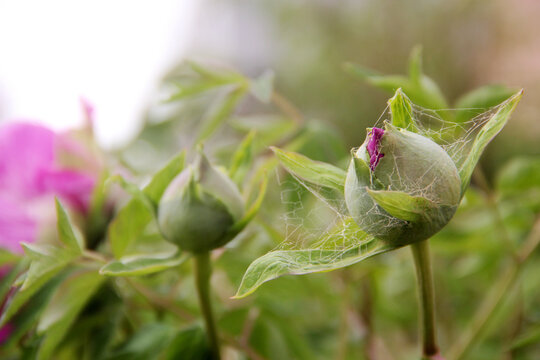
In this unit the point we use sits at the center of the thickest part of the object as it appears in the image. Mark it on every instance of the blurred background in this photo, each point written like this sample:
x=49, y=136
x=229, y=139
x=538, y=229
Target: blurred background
x=115, y=55
x=122, y=56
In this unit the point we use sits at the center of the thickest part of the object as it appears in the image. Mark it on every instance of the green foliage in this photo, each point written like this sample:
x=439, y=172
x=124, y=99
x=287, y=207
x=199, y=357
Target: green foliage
x=252, y=210
x=149, y=341
x=422, y=90
x=323, y=258
x=63, y=308
x=46, y=262
x=65, y=231
x=481, y=99
x=137, y=266
x=138, y=213
x=189, y=344
x=263, y=86
x=221, y=112
x=519, y=175
x=485, y=135
x=131, y=295
x=314, y=172
x=242, y=159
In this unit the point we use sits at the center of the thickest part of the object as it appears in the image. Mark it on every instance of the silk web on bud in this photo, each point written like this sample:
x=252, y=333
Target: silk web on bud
x=316, y=218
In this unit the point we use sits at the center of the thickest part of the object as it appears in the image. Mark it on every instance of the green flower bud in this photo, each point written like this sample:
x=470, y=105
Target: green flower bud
x=199, y=207
x=401, y=187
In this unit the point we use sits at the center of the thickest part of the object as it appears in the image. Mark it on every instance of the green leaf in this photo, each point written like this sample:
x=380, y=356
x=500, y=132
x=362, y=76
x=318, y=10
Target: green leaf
x=242, y=159
x=252, y=211
x=189, y=344
x=64, y=307
x=424, y=92
x=221, y=112
x=23, y=321
x=131, y=221
x=270, y=129
x=47, y=261
x=97, y=218
x=401, y=110
x=402, y=205
x=135, y=192
x=415, y=65
x=7, y=257
x=155, y=189
x=65, y=230
x=479, y=100
x=389, y=83
x=220, y=74
x=128, y=225
x=314, y=172
x=330, y=254
x=148, y=343
x=519, y=175
x=530, y=337
x=493, y=126
x=206, y=80
x=142, y=265
x=263, y=86
x=8, y=278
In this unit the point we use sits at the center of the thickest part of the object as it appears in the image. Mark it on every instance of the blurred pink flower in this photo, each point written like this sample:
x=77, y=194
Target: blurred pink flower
x=32, y=169
x=5, y=331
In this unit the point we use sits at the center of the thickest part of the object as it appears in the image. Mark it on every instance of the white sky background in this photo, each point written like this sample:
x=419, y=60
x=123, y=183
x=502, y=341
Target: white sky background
x=113, y=53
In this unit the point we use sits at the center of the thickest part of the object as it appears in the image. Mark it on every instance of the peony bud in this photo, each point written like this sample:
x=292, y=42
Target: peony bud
x=199, y=208
x=401, y=187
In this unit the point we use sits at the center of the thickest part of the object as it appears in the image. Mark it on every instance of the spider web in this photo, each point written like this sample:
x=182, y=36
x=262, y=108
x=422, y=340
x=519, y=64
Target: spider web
x=320, y=235
x=316, y=219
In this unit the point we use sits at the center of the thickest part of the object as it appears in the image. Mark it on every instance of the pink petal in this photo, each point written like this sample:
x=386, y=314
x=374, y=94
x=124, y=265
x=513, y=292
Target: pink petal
x=5, y=332
x=72, y=186
x=15, y=226
x=25, y=149
x=88, y=111
x=375, y=155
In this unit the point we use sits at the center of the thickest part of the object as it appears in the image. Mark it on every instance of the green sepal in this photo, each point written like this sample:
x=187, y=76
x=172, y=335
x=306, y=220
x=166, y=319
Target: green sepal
x=493, y=126
x=242, y=158
x=134, y=191
x=401, y=110
x=251, y=212
x=481, y=99
x=314, y=172
x=155, y=189
x=363, y=173
x=402, y=205
x=134, y=217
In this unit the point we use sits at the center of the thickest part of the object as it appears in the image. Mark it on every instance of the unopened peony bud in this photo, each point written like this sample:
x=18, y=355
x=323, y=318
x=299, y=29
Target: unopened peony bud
x=401, y=187
x=199, y=207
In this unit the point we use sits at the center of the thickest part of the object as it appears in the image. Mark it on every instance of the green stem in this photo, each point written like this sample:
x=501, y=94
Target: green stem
x=426, y=293
x=203, y=271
